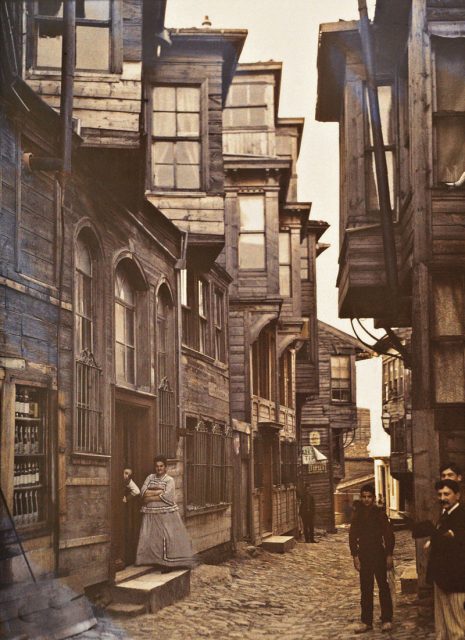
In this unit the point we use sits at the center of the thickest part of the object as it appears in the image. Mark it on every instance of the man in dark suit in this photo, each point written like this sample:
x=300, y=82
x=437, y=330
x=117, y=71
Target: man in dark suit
x=446, y=564
x=371, y=542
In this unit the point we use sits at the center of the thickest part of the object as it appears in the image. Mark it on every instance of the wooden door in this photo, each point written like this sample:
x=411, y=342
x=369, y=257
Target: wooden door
x=130, y=427
x=267, y=496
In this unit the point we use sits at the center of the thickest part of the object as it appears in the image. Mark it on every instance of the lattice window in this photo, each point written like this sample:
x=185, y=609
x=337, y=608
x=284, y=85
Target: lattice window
x=209, y=464
x=89, y=436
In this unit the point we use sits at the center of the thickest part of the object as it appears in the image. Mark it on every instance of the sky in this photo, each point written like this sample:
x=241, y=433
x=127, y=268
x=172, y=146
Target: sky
x=287, y=32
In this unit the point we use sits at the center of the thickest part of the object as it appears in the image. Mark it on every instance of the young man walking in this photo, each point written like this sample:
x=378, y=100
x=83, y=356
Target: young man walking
x=371, y=542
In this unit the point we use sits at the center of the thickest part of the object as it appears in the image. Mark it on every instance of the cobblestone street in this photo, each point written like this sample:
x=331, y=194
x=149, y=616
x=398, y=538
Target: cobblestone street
x=309, y=593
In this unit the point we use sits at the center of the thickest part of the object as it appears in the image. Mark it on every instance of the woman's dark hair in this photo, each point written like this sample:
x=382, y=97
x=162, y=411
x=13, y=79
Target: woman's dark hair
x=161, y=458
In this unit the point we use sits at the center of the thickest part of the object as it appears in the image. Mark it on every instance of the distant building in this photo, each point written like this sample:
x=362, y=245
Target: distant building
x=329, y=419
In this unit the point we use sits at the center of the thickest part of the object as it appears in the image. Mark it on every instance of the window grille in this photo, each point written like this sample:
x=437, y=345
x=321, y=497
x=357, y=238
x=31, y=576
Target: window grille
x=89, y=435
x=209, y=464
x=167, y=419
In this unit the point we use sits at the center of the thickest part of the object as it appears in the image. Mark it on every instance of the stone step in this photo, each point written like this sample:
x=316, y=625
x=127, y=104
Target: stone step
x=131, y=572
x=278, y=544
x=153, y=590
x=409, y=580
x=126, y=610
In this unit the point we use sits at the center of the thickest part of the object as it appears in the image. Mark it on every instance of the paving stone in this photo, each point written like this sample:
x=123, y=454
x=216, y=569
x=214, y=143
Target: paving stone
x=309, y=593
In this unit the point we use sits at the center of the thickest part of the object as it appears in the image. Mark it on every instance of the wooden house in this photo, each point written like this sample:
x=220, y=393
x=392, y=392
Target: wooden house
x=329, y=419
x=397, y=418
x=266, y=230
x=114, y=313
x=420, y=73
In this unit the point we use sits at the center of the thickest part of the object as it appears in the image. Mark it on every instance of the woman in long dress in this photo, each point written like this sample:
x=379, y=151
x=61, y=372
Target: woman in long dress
x=163, y=539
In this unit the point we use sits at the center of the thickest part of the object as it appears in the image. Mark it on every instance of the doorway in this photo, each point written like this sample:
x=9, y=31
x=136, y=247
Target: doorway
x=267, y=495
x=132, y=448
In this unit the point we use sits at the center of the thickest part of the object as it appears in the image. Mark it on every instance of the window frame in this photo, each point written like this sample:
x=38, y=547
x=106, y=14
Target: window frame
x=114, y=24
x=202, y=138
x=337, y=388
x=256, y=231
x=283, y=264
x=132, y=308
x=442, y=114
x=249, y=105
x=89, y=435
x=210, y=490
x=219, y=324
x=390, y=147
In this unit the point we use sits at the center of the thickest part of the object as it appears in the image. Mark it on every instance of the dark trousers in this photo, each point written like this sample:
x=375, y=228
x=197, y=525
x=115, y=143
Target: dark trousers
x=308, y=525
x=371, y=567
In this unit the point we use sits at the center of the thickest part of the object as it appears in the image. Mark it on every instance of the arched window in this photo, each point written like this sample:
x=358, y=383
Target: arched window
x=165, y=373
x=88, y=436
x=84, y=297
x=125, y=327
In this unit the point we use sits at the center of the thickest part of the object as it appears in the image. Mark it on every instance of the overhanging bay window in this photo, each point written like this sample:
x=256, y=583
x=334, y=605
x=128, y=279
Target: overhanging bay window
x=251, y=232
x=449, y=108
x=95, y=34
x=176, y=138
x=246, y=106
x=388, y=127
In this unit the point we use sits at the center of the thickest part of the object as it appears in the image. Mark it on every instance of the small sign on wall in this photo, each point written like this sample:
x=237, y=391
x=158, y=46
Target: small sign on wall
x=315, y=438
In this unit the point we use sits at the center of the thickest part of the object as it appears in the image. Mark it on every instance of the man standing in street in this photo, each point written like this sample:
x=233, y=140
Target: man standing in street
x=446, y=565
x=371, y=541
x=307, y=514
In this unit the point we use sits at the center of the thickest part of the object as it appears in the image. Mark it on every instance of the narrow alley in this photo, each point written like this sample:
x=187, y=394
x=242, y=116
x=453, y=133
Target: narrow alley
x=309, y=593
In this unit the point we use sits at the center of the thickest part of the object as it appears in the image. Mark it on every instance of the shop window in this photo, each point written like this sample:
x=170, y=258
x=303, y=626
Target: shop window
x=165, y=374
x=176, y=138
x=31, y=465
x=95, y=39
x=388, y=127
x=341, y=379
x=449, y=108
x=251, y=232
x=208, y=464
x=285, y=272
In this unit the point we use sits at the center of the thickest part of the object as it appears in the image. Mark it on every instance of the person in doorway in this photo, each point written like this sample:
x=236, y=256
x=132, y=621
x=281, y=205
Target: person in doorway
x=307, y=514
x=131, y=490
x=446, y=563
x=451, y=471
x=163, y=539
x=381, y=502
x=371, y=541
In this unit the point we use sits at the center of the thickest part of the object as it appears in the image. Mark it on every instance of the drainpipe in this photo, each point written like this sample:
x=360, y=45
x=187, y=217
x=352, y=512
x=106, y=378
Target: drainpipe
x=66, y=113
x=387, y=226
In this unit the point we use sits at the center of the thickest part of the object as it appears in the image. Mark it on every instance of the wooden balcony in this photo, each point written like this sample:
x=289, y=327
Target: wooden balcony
x=264, y=412
x=362, y=277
